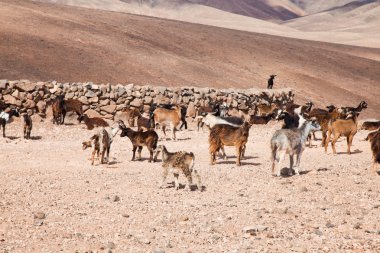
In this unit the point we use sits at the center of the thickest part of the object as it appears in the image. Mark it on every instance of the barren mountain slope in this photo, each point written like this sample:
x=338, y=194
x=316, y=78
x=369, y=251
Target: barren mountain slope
x=314, y=6
x=46, y=41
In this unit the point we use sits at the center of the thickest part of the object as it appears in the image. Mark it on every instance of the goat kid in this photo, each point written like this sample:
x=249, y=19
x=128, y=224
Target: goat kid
x=180, y=162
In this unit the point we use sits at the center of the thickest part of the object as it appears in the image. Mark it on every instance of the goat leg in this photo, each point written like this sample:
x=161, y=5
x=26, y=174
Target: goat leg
x=176, y=182
x=139, y=151
x=134, y=152
x=164, y=175
x=290, y=172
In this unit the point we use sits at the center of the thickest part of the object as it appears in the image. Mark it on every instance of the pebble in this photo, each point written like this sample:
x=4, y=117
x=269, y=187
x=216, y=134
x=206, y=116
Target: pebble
x=255, y=228
x=115, y=198
x=39, y=215
x=111, y=245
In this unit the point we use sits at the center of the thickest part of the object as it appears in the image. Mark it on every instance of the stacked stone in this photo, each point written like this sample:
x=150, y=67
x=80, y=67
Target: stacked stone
x=105, y=100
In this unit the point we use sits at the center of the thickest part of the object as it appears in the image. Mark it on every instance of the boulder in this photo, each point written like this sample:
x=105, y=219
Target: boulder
x=83, y=100
x=92, y=113
x=136, y=102
x=9, y=99
x=3, y=84
x=41, y=105
x=27, y=86
x=108, y=108
x=90, y=94
x=93, y=100
x=29, y=104
x=104, y=102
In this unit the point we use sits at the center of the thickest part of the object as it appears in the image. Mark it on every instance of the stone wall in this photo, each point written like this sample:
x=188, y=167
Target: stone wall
x=106, y=100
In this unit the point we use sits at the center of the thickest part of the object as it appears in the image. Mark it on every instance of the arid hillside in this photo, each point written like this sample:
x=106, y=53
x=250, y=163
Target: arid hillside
x=46, y=41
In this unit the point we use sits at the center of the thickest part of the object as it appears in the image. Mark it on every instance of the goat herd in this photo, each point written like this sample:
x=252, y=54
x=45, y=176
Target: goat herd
x=300, y=124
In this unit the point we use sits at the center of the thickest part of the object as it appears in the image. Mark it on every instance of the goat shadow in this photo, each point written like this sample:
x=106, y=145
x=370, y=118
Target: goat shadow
x=285, y=172
x=182, y=186
x=36, y=137
x=12, y=137
x=242, y=163
x=356, y=151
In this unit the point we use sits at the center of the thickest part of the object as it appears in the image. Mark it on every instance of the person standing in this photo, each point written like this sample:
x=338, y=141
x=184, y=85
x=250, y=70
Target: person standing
x=271, y=81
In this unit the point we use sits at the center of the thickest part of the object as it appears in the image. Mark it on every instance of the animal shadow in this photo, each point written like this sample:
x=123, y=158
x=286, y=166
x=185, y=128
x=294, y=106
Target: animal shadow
x=35, y=138
x=285, y=172
x=183, y=139
x=12, y=137
x=356, y=151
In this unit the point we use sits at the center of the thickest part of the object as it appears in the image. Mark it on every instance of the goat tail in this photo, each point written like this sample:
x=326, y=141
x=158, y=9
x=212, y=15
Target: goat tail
x=192, y=161
x=274, y=148
x=154, y=146
x=377, y=158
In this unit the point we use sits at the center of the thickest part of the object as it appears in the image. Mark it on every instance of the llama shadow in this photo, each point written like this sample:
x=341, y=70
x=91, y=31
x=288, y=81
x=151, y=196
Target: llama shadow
x=356, y=151
x=35, y=138
x=285, y=172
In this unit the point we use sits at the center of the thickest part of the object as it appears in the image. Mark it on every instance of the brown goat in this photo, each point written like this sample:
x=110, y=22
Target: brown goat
x=72, y=105
x=167, y=117
x=264, y=109
x=140, y=139
x=226, y=135
x=261, y=120
x=144, y=123
x=371, y=135
x=131, y=114
x=28, y=125
x=375, y=147
x=58, y=110
x=342, y=127
x=91, y=123
x=370, y=125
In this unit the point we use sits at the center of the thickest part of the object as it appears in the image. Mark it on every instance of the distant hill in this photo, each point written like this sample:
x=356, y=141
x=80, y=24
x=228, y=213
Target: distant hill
x=43, y=41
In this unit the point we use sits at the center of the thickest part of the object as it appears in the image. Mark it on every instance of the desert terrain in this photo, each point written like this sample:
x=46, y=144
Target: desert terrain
x=69, y=44
x=53, y=200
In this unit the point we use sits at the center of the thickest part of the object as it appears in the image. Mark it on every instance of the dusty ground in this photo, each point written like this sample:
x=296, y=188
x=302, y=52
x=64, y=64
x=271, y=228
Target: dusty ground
x=44, y=42
x=333, y=206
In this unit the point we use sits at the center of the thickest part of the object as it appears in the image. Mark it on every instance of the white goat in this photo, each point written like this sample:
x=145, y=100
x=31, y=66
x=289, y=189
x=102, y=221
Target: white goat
x=212, y=120
x=292, y=142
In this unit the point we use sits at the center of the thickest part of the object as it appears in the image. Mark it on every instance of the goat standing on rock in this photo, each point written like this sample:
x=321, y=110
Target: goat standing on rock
x=180, y=162
x=292, y=142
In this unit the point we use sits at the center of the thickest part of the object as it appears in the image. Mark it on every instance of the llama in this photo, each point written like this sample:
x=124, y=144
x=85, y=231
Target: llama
x=292, y=142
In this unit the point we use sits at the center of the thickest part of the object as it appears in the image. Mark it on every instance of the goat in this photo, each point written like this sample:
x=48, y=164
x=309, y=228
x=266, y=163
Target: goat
x=292, y=142
x=211, y=120
x=180, y=162
x=271, y=81
x=227, y=135
x=290, y=121
x=145, y=123
x=323, y=119
x=58, y=110
x=6, y=117
x=106, y=136
x=342, y=127
x=203, y=111
x=72, y=105
x=183, y=117
x=166, y=117
x=375, y=147
x=347, y=110
x=94, y=144
x=91, y=123
x=371, y=135
x=370, y=125
x=131, y=114
x=261, y=120
x=264, y=109
x=28, y=124
x=140, y=139
x=299, y=109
